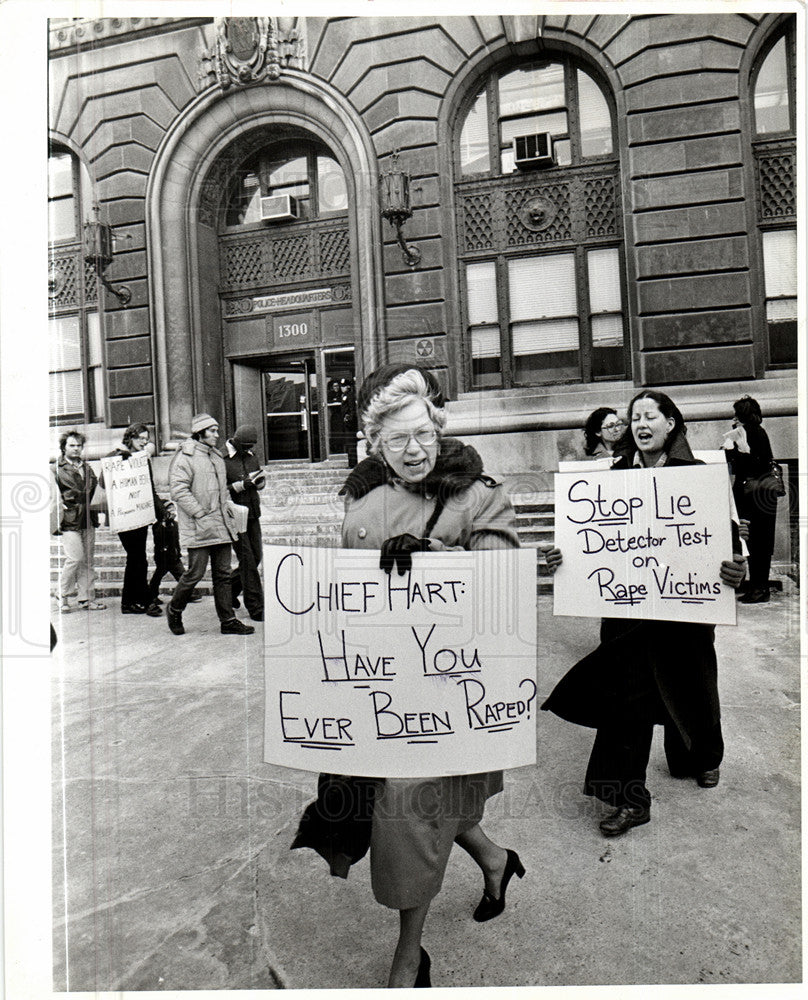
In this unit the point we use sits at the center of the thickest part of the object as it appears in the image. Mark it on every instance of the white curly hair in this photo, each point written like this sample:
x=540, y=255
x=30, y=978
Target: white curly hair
x=399, y=391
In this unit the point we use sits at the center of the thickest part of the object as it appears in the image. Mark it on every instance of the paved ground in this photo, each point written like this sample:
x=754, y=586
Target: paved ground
x=175, y=872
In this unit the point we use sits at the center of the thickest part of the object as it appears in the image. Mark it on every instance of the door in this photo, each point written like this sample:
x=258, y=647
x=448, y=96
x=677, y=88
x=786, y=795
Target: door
x=291, y=409
x=340, y=396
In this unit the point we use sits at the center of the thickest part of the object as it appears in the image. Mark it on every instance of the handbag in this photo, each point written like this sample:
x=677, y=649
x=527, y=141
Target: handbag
x=770, y=482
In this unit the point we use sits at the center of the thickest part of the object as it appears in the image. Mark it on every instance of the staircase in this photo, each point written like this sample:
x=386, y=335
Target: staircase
x=300, y=506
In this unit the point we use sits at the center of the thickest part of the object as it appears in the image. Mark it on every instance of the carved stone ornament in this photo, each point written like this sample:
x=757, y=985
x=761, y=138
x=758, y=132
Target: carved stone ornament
x=537, y=214
x=251, y=49
x=56, y=279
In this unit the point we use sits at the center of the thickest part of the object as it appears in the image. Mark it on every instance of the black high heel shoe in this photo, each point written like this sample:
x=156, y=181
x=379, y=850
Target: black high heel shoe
x=489, y=907
x=422, y=979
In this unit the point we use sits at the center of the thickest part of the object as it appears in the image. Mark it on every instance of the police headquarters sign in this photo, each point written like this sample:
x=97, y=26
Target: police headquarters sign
x=644, y=543
x=430, y=673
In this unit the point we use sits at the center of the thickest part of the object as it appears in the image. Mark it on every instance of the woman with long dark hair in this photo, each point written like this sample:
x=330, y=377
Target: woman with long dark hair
x=135, y=595
x=750, y=458
x=647, y=672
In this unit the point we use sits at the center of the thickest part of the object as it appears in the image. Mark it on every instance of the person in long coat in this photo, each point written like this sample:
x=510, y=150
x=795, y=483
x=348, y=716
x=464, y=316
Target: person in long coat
x=647, y=672
x=206, y=520
x=416, y=492
x=750, y=458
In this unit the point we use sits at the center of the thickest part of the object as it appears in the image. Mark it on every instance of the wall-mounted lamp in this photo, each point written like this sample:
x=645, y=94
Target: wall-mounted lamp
x=396, y=206
x=99, y=249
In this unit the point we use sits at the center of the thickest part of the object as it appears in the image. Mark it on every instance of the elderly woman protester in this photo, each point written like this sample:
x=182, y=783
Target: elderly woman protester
x=647, y=671
x=419, y=491
x=135, y=595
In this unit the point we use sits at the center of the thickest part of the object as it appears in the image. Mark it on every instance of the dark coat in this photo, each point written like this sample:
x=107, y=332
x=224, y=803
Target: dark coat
x=609, y=685
x=238, y=468
x=76, y=485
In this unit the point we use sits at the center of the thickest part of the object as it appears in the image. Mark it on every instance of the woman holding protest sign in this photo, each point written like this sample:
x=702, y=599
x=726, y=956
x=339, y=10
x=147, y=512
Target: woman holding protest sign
x=418, y=491
x=135, y=595
x=647, y=672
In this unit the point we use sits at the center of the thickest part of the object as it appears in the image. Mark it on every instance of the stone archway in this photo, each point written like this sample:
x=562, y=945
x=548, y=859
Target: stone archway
x=179, y=300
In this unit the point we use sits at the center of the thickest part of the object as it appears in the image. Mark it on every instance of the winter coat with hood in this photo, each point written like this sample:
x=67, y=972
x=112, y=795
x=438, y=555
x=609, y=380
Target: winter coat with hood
x=198, y=483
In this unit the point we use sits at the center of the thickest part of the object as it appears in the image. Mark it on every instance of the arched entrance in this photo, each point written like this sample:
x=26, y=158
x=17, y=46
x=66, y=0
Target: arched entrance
x=278, y=200
x=242, y=309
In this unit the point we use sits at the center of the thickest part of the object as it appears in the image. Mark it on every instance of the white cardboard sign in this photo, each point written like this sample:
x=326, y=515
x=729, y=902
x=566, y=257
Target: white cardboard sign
x=130, y=502
x=644, y=543
x=427, y=674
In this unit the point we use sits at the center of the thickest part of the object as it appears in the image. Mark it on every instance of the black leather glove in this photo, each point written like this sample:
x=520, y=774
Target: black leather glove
x=397, y=551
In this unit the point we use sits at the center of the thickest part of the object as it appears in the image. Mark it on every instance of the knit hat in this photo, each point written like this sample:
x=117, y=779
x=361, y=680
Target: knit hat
x=378, y=379
x=201, y=422
x=246, y=435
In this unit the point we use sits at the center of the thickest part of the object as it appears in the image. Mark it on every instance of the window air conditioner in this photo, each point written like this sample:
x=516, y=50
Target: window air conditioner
x=532, y=151
x=279, y=208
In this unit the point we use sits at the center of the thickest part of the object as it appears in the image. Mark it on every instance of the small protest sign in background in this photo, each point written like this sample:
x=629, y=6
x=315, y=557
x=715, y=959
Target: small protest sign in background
x=429, y=673
x=129, y=491
x=644, y=543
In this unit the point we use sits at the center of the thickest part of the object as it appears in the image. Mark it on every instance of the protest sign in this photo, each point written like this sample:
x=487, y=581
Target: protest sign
x=644, y=543
x=129, y=491
x=429, y=673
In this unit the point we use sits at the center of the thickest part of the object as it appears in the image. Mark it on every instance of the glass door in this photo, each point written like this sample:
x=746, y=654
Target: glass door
x=291, y=410
x=340, y=395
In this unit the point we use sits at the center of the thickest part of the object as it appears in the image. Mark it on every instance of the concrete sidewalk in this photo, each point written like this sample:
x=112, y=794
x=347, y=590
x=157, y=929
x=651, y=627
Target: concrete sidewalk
x=176, y=872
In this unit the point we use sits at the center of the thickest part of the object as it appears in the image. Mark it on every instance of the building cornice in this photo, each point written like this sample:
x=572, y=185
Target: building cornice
x=69, y=36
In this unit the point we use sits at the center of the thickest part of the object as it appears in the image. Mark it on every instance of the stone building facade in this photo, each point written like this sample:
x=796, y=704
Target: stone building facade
x=596, y=203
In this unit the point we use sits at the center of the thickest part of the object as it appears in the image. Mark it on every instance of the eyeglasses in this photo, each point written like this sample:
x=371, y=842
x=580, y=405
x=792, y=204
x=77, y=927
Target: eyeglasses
x=398, y=442
x=613, y=426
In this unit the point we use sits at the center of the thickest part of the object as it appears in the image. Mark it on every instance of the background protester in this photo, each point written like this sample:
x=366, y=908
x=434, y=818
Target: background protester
x=602, y=430
x=167, y=554
x=750, y=457
x=76, y=523
x=198, y=482
x=135, y=595
x=647, y=671
x=245, y=478
x=419, y=492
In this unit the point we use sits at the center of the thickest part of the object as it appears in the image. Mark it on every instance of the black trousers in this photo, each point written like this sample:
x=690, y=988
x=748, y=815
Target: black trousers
x=761, y=512
x=247, y=577
x=219, y=556
x=135, y=588
x=618, y=762
x=176, y=569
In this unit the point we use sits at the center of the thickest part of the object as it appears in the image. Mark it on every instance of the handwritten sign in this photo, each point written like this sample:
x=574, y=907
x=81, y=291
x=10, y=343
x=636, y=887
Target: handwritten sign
x=129, y=491
x=644, y=543
x=430, y=673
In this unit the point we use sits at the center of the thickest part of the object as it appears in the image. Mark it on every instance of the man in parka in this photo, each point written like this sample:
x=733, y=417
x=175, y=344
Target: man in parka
x=206, y=519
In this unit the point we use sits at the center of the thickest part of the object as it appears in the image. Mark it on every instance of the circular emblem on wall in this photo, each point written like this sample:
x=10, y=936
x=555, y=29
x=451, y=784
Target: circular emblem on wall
x=424, y=348
x=537, y=213
x=56, y=279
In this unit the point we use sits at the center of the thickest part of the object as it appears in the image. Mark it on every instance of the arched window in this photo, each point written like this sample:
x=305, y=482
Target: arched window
x=773, y=99
x=539, y=228
x=303, y=172
x=75, y=341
